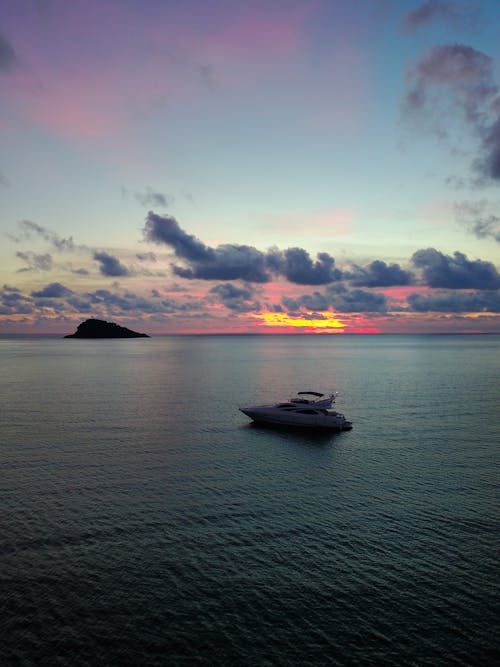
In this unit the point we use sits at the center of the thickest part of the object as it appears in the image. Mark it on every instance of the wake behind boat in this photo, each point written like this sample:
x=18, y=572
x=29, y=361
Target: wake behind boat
x=309, y=409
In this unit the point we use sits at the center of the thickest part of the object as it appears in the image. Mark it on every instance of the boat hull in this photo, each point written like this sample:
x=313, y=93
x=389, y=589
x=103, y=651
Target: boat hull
x=317, y=422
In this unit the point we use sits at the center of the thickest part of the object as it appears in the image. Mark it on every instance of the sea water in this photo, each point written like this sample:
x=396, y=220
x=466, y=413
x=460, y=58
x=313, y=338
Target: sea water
x=146, y=521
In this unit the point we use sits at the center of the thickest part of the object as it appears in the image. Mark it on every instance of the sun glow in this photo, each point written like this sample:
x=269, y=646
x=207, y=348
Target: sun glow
x=316, y=320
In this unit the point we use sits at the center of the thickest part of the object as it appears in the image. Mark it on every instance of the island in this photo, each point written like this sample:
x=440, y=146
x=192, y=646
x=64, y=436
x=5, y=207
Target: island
x=102, y=329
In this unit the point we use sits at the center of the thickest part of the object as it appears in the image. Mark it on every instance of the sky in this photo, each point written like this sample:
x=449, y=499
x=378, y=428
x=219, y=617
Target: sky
x=285, y=166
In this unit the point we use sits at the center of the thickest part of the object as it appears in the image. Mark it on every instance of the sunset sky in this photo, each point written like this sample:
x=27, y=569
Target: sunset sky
x=325, y=166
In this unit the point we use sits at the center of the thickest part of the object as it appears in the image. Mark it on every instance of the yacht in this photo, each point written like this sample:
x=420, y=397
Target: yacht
x=302, y=411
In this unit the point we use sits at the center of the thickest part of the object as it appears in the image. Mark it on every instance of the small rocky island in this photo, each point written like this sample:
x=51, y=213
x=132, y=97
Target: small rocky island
x=102, y=329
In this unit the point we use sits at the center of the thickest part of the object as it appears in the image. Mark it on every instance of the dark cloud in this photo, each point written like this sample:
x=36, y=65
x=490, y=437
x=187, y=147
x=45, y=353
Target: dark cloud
x=109, y=265
x=105, y=301
x=357, y=300
x=314, y=302
x=237, y=299
x=52, y=291
x=379, y=274
x=226, y=262
x=230, y=291
x=8, y=58
x=340, y=299
x=457, y=79
x=475, y=217
x=151, y=198
x=13, y=302
x=456, y=302
x=238, y=262
x=34, y=261
x=3, y=179
x=296, y=265
x=123, y=302
x=80, y=304
x=100, y=303
x=458, y=15
x=455, y=272
x=165, y=229
x=170, y=306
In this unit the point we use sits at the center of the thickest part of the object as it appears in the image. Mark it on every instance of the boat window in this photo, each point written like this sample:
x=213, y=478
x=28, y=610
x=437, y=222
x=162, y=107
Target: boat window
x=307, y=412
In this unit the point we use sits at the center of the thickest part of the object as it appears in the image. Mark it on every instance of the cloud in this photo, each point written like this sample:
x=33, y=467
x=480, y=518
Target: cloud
x=176, y=287
x=146, y=257
x=313, y=302
x=123, y=302
x=35, y=262
x=78, y=272
x=109, y=265
x=466, y=72
x=230, y=291
x=296, y=266
x=152, y=198
x=3, y=179
x=30, y=229
x=488, y=164
x=340, y=299
x=13, y=302
x=237, y=262
x=52, y=291
x=456, y=302
x=456, y=80
x=455, y=14
x=455, y=272
x=170, y=306
x=226, y=262
x=165, y=229
x=357, y=300
x=379, y=274
x=237, y=299
x=8, y=58
x=482, y=224
x=105, y=301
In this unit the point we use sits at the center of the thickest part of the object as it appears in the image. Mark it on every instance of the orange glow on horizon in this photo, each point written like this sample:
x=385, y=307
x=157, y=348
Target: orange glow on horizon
x=327, y=321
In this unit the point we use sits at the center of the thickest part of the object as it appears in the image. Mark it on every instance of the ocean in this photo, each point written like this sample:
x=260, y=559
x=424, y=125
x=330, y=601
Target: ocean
x=146, y=521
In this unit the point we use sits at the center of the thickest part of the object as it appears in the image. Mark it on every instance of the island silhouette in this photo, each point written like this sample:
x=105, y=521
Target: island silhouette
x=101, y=329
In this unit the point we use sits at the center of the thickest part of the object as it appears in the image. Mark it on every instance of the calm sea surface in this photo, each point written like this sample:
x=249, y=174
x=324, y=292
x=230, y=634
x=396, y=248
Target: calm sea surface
x=145, y=521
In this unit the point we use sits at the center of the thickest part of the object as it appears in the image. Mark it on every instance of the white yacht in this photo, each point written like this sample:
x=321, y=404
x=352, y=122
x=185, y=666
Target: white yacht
x=301, y=412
